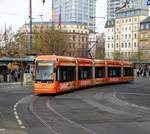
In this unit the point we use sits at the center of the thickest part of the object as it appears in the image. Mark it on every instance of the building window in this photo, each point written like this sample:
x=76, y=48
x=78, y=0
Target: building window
x=74, y=38
x=135, y=44
x=135, y=28
x=108, y=45
x=117, y=37
x=117, y=45
x=129, y=45
x=129, y=28
x=129, y=36
x=125, y=45
x=135, y=36
x=122, y=45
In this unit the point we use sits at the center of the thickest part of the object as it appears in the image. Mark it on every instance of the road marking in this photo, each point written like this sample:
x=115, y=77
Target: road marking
x=43, y=121
x=2, y=129
x=131, y=104
x=105, y=108
x=16, y=114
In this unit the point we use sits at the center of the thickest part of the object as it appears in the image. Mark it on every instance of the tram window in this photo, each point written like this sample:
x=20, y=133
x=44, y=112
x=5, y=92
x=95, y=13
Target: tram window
x=99, y=72
x=128, y=71
x=65, y=74
x=114, y=71
x=85, y=73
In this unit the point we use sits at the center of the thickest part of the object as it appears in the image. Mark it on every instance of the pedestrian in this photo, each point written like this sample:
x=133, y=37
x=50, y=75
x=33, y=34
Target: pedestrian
x=16, y=76
x=144, y=74
x=149, y=73
x=4, y=73
x=138, y=73
x=141, y=72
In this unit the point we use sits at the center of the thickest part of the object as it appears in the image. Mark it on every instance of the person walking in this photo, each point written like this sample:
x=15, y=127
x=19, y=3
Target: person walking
x=16, y=76
x=138, y=73
x=144, y=74
x=149, y=73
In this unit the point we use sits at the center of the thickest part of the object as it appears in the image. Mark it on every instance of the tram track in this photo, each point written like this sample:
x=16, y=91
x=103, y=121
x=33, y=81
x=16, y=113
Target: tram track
x=44, y=122
x=51, y=125
x=89, y=111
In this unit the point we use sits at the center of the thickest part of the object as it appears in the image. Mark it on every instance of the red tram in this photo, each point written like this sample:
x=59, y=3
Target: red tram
x=54, y=74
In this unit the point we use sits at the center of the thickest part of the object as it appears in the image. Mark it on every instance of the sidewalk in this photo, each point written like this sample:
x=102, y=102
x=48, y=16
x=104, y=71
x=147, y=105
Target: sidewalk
x=14, y=84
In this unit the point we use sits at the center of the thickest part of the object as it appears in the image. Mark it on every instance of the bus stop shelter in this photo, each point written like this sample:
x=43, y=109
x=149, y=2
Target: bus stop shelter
x=9, y=65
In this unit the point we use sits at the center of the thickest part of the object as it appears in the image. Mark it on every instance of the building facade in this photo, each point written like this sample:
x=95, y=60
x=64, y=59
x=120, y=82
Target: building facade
x=109, y=38
x=144, y=39
x=100, y=47
x=77, y=37
x=114, y=5
x=126, y=34
x=78, y=11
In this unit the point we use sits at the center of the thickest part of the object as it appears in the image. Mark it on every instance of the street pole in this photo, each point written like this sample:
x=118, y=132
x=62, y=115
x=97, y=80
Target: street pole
x=30, y=34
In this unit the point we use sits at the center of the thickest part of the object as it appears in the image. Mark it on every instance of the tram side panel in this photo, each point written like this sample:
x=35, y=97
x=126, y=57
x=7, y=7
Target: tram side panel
x=128, y=73
x=85, y=75
x=114, y=71
x=66, y=75
x=99, y=72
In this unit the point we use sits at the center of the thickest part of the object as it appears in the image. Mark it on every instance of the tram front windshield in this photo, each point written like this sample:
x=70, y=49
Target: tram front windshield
x=44, y=71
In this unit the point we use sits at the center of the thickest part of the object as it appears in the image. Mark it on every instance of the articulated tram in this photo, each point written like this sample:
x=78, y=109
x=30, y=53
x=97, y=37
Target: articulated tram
x=55, y=74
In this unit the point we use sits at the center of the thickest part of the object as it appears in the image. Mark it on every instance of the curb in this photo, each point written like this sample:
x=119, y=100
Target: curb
x=14, y=84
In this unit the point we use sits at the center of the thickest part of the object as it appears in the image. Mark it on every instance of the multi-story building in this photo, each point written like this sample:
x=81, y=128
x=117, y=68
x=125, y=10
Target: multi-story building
x=78, y=11
x=100, y=47
x=144, y=39
x=1, y=40
x=78, y=40
x=109, y=38
x=77, y=36
x=126, y=34
x=114, y=5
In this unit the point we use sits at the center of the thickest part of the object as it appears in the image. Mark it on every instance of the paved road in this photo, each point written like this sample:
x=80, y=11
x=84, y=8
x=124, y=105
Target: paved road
x=111, y=109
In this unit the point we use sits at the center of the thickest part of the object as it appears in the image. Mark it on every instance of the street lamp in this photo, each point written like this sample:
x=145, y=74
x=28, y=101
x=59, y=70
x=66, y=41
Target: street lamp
x=30, y=35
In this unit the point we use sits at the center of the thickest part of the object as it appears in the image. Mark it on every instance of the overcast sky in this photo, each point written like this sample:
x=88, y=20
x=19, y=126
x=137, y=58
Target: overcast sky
x=15, y=12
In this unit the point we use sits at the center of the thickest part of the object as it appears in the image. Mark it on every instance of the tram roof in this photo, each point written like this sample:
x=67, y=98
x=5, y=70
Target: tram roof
x=54, y=57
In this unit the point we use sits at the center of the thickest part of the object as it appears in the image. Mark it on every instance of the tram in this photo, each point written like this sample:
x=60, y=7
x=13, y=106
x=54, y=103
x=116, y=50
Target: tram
x=55, y=74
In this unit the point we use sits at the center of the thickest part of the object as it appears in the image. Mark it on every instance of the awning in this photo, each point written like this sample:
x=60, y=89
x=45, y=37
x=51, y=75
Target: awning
x=26, y=59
